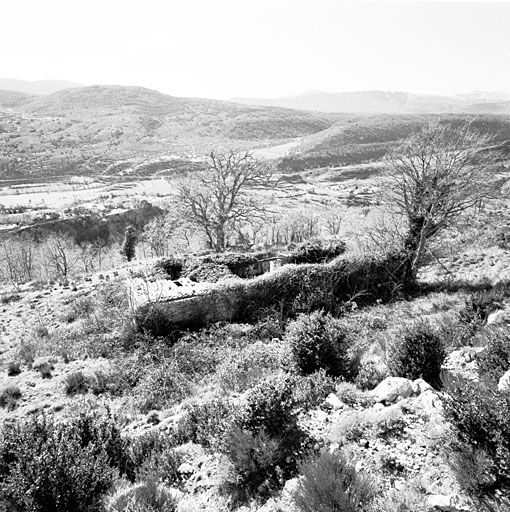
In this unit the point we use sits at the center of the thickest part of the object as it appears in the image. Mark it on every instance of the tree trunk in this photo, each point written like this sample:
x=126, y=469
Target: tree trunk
x=220, y=238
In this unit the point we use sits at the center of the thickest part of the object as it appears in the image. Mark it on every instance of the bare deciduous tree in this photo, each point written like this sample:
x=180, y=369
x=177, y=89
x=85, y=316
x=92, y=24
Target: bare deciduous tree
x=157, y=234
x=60, y=254
x=434, y=176
x=217, y=200
x=19, y=259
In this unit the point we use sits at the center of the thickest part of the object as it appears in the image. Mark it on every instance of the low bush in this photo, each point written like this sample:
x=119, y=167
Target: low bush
x=171, y=267
x=13, y=368
x=147, y=496
x=270, y=406
x=163, y=467
x=370, y=374
x=457, y=334
x=7, y=298
x=238, y=263
x=143, y=449
x=243, y=368
x=161, y=386
x=206, y=423
x=494, y=361
x=210, y=273
x=349, y=394
x=481, y=304
x=58, y=466
x=330, y=483
x=264, y=443
x=318, y=341
x=81, y=307
x=317, y=251
x=311, y=390
x=418, y=352
x=77, y=382
x=154, y=321
x=479, y=417
x=9, y=396
x=255, y=459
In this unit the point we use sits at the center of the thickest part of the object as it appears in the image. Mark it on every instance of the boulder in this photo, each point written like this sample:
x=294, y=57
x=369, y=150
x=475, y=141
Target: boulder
x=333, y=402
x=460, y=365
x=428, y=402
x=504, y=382
x=392, y=389
x=447, y=503
x=502, y=316
x=420, y=386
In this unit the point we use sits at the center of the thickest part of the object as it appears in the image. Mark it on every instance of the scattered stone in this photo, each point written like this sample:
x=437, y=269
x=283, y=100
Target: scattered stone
x=504, y=382
x=460, y=365
x=449, y=503
x=333, y=402
x=186, y=469
x=420, y=386
x=392, y=389
x=502, y=316
x=153, y=417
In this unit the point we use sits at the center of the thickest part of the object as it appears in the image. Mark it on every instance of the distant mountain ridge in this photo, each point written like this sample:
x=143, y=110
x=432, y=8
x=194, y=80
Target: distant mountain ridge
x=389, y=102
x=37, y=86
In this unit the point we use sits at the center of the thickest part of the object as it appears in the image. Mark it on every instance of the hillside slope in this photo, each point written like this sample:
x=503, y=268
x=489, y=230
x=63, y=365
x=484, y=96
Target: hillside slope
x=88, y=130
x=367, y=138
x=14, y=99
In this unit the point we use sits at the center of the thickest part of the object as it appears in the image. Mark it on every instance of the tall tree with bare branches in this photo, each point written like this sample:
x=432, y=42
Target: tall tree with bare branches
x=434, y=176
x=219, y=199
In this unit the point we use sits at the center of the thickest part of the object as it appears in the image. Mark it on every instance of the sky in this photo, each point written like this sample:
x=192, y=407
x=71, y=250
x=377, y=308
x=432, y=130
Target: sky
x=259, y=48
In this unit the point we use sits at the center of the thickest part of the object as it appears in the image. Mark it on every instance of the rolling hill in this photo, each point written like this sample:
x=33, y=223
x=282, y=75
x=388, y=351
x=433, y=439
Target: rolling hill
x=116, y=129
x=90, y=129
x=13, y=99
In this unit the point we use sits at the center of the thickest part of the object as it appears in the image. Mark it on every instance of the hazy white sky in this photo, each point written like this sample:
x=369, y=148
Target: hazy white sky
x=261, y=48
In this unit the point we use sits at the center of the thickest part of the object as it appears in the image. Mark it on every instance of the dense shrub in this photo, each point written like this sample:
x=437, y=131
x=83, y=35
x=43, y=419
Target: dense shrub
x=243, y=368
x=59, y=467
x=9, y=396
x=210, y=273
x=270, y=406
x=77, y=382
x=330, y=484
x=161, y=386
x=370, y=374
x=265, y=443
x=311, y=390
x=481, y=304
x=154, y=320
x=479, y=416
x=318, y=341
x=205, y=423
x=349, y=394
x=317, y=251
x=147, y=496
x=13, y=368
x=238, y=263
x=255, y=459
x=171, y=267
x=418, y=352
x=494, y=361
x=144, y=450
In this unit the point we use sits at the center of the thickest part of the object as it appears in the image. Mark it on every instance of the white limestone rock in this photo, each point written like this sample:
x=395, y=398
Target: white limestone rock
x=392, y=389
